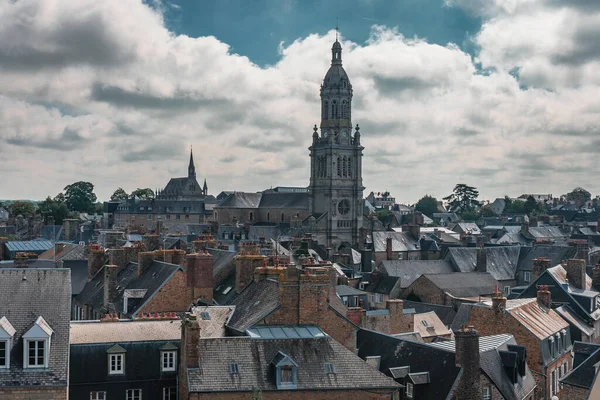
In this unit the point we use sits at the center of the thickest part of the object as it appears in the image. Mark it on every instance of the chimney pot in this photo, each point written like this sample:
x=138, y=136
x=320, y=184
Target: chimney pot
x=544, y=296
x=576, y=273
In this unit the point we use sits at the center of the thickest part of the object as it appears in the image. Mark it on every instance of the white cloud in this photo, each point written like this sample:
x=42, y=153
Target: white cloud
x=102, y=91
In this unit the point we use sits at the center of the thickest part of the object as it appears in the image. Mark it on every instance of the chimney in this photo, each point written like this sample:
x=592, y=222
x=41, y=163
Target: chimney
x=366, y=260
x=389, y=249
x=117, y=257
x=396, y=309
x=415, y=231
x=190, y=336
x=200, y=276
x=498, y=301
x=313, y=296
x=131, y=254
x=245, y=263
x=596, y=277
x=151, y=242
x=481, y=265
x=525, y=228
x=576, y=273
x=467, y=358
x=544, y=297
x=3, y=239
x=355, y=314
x=145, y=260
x=533, y=222
x=58, y=247
x=96, y=259
x=110, y=286
x=539, y=265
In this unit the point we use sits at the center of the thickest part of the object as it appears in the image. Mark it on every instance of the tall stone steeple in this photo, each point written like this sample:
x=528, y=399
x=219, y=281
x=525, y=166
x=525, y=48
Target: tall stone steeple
x=191, y=168
x=336, y=188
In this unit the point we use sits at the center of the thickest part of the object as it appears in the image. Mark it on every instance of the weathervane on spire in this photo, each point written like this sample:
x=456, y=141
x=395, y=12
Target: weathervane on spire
x=336, y=28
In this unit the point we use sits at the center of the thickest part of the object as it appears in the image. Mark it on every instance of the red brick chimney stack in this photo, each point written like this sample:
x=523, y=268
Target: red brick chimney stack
x=544, y=297
x=539, y=265
x=96, y=259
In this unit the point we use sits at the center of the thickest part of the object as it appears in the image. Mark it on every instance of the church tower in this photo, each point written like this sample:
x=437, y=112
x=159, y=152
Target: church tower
x=335, y=189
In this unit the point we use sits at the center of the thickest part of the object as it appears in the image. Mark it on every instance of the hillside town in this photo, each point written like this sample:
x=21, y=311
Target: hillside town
x=316, y=292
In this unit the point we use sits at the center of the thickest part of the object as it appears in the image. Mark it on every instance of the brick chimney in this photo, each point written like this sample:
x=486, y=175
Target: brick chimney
x=576, y=273
x=398, y=323
x=20, y=260
x=200, y=276
x=498, y=301
x=525, y=228
x=131, y=254
x=481, y=265
x=355, y=314
x=110, y=286
x=145, y=260
x=178, y=257
x=96, y=259
x=389, y=249
x=117, y=257
x=544, y=297
x=467, y=358
x=190, y=338
x=245, y=263
x=539, y=265
x=3, y=239
x=313, y=295
x=596, y=277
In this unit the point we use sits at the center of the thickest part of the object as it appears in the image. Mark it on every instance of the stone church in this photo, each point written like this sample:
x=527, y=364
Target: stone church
x=332, y=208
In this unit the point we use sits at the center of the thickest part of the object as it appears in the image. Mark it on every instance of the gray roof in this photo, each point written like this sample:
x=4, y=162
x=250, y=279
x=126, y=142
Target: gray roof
x=501, y=262
x=546, y=232
x=410, y=270
x=401, y=241
x=254, y=358
x=85, y=332
x=464, y=284
x=240, y=200
x=31, y=245
x=345, y=290
x=556, y=254
x=284, y=200
x=286, y=332
x=583, y=374
x=445, y=313
x=25, y=295
x=257, y=301
x=467, y=227
x=574, y=320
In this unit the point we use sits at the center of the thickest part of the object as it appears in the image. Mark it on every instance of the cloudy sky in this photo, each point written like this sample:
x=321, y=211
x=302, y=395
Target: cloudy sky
x=500, y=94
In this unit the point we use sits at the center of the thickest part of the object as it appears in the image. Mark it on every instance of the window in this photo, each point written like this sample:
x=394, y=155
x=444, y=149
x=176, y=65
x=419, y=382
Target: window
x=334, y=110
x=116, y=364
x=325, y=109
x=169, y=393
x=234, y=368
x=97, y=395
x=506, y=290
x=150, y=216
x=349, y=167
x=134, y=394
x=36, y=344
x=4, y=354
x=344, y=167
x=339, y=166
x=552, y=383
x=527, y=277
x=486, y=393
x=36, y=351
x=378, y=298
x=282, y=217
x=409, y=390
x=268, y=216
x=344, y=106
x=168, y=216
x=251, y=216
x=178, y=216
x=169, y=360
x=187, y=216
x=286, y=374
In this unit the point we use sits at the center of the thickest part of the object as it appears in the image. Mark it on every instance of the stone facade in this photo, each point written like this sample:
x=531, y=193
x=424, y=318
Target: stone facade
x=570, y=392
x=336, y=190
x=34, y=394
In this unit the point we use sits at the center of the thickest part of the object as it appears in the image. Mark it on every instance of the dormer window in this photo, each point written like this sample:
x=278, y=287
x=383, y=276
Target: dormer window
x=168, y=356
x=285, y=371
x=116, y=360
x=6, y=339
x=36, y=344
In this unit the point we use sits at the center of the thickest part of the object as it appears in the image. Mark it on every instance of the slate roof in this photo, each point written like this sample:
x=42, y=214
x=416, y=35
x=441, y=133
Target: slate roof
x=410, y=270
x=584, y=373
x=70, y=251
x=240, y=200
x=284, y=200
x=27, y=246
x=560, y=274
x=445, y=313
x=87, y=332
x=555, y=253
x=256, y=372
x=396, y=352
x=155, y=276
x=254, y=303
x=541, y=232
x=491, y=363
x=222, y=260
x=25, y=295
x=380, y=283
x=345, y=290
x=464, y=284
x=573, y=319
x=401, y=241
x=467, y=227
x=501, y=262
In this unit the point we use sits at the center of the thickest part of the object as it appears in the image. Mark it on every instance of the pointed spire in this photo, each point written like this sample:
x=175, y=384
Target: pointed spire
x=336, y=50
x=191, y=168
x=205, y=188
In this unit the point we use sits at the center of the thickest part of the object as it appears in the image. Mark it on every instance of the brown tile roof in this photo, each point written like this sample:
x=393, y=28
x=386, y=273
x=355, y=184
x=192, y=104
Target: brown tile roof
x=542, y=322
x=83, y=332
x=429, y=324
x=560, y=274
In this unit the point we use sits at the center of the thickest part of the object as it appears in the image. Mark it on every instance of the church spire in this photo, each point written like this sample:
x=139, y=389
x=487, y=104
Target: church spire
x=191, y=168
x=336, y=52
x=205, y=188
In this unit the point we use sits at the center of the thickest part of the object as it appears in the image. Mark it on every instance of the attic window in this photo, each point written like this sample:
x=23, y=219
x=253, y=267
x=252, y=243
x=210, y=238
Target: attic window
x=424, y=323
x=227, y=290
x=205, y=315
x=234, y=368
x=36, y=344
x=329, y=368
x=285, y=371
x=6, y=337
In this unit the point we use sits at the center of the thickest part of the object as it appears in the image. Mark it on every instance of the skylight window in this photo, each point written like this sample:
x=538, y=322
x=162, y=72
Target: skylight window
x=205, y=315
x=234, y=368
x=329, y=368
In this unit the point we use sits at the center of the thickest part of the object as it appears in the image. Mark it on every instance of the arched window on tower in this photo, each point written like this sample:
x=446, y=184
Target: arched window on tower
x=334, y=109
x=325, y=109
x=339, y=166
x=349, y=167
x=344, y=109
x=344, y=170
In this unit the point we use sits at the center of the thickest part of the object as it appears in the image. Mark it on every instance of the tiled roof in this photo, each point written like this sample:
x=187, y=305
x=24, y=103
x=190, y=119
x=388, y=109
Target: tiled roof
x=572, y=318
x=212, y=319
x=428, y=325
x=86, y=332
x=445, y=313
x=25, y=295
x=254, y=358
x=401, y=241
x=584, y=373
x=257, y=301
x=410, y=270
x=240, y=200
x=540, y=321
x=464, y=284
x=555, y=253
x=501, y=262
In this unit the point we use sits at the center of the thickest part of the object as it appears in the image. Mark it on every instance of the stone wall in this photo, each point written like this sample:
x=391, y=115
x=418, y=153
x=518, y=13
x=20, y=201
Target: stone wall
x=33, y=394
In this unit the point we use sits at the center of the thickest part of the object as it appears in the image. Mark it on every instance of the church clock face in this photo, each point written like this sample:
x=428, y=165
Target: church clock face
x=344, y=207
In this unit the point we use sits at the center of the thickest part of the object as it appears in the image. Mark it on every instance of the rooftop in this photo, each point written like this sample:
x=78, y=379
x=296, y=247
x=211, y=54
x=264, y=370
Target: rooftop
x=86, y=332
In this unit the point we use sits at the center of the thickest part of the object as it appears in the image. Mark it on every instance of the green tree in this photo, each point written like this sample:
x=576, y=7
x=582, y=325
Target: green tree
x=469, y=216
x=80, y=196
x=23, y=208
x=530, y=205
x=427, y=205
x=55, y=209
x=144, y=194
x=515, y=207
x=119, y=194
x=463, y=198
x=486, y=211
x=579, y=196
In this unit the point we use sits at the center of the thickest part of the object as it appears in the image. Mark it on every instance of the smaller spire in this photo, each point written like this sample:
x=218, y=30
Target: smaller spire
x=191, y=168
x=205, y=188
